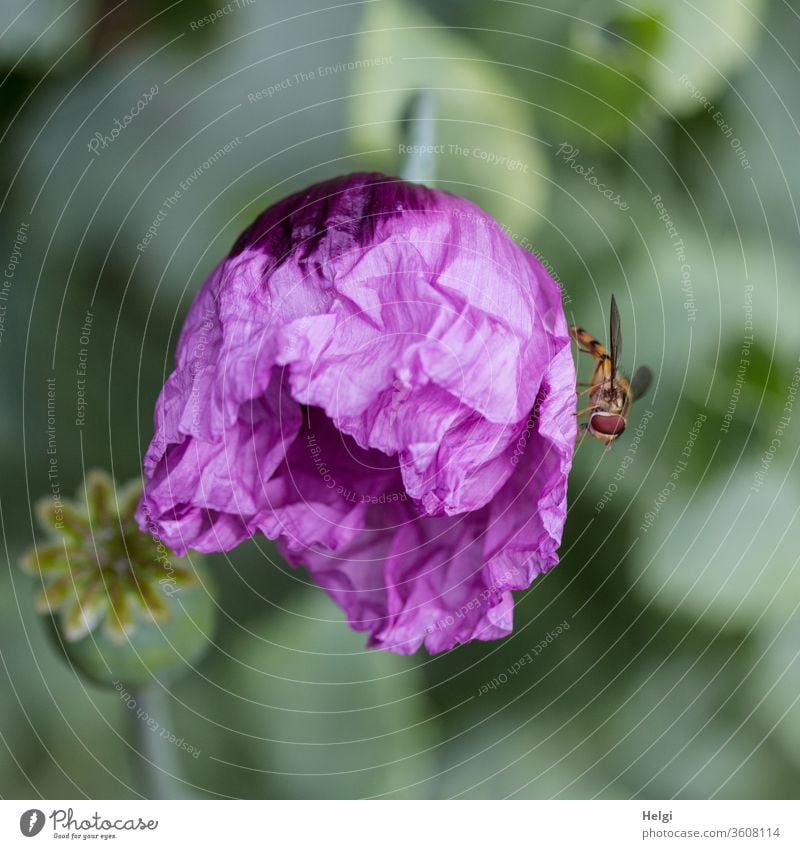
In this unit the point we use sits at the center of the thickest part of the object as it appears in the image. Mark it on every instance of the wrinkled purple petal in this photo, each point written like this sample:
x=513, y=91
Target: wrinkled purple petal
x=380, y=379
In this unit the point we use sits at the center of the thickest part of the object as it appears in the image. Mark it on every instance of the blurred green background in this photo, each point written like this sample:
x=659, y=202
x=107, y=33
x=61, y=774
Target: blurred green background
x=679, y=674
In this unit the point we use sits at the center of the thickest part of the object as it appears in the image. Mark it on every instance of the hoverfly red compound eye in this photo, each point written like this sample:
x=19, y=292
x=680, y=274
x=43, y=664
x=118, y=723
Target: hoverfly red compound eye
x=607, y=425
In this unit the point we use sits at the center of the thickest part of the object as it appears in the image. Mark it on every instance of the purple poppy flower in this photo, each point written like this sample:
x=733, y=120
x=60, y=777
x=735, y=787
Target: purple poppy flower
x=380, y=379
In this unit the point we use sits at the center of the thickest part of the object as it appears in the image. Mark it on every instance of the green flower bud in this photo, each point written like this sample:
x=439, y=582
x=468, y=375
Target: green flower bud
x=123, y=606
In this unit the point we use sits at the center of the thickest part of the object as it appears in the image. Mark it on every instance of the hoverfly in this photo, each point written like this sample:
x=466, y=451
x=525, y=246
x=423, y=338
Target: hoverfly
x=610, y=393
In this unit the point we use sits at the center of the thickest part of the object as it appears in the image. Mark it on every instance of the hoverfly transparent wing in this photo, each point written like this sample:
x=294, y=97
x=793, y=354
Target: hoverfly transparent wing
x=641, y=381
x=614, y=339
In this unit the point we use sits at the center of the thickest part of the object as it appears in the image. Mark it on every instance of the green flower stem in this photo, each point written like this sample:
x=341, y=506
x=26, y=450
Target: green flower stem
x=153, y=758
x=124, y=610
x=420, y=135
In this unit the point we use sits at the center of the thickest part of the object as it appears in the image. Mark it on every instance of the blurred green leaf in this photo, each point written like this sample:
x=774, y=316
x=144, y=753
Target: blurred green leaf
x=707, y=42
x=489, y=151
x=679, y=53
x=63, y=734
x=669, y=734
x=36, y=34
x=772, y=682
x=620, y=723
x=725, y=555
x=311, y=713
x=510, y=755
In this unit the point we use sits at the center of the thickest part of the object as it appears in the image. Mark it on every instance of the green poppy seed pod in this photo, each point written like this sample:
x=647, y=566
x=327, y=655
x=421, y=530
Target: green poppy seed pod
x=165, y=648
x=124, y=608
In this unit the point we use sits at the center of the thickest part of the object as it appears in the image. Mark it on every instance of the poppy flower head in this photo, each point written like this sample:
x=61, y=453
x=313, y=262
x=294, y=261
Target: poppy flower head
x=380, y=379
